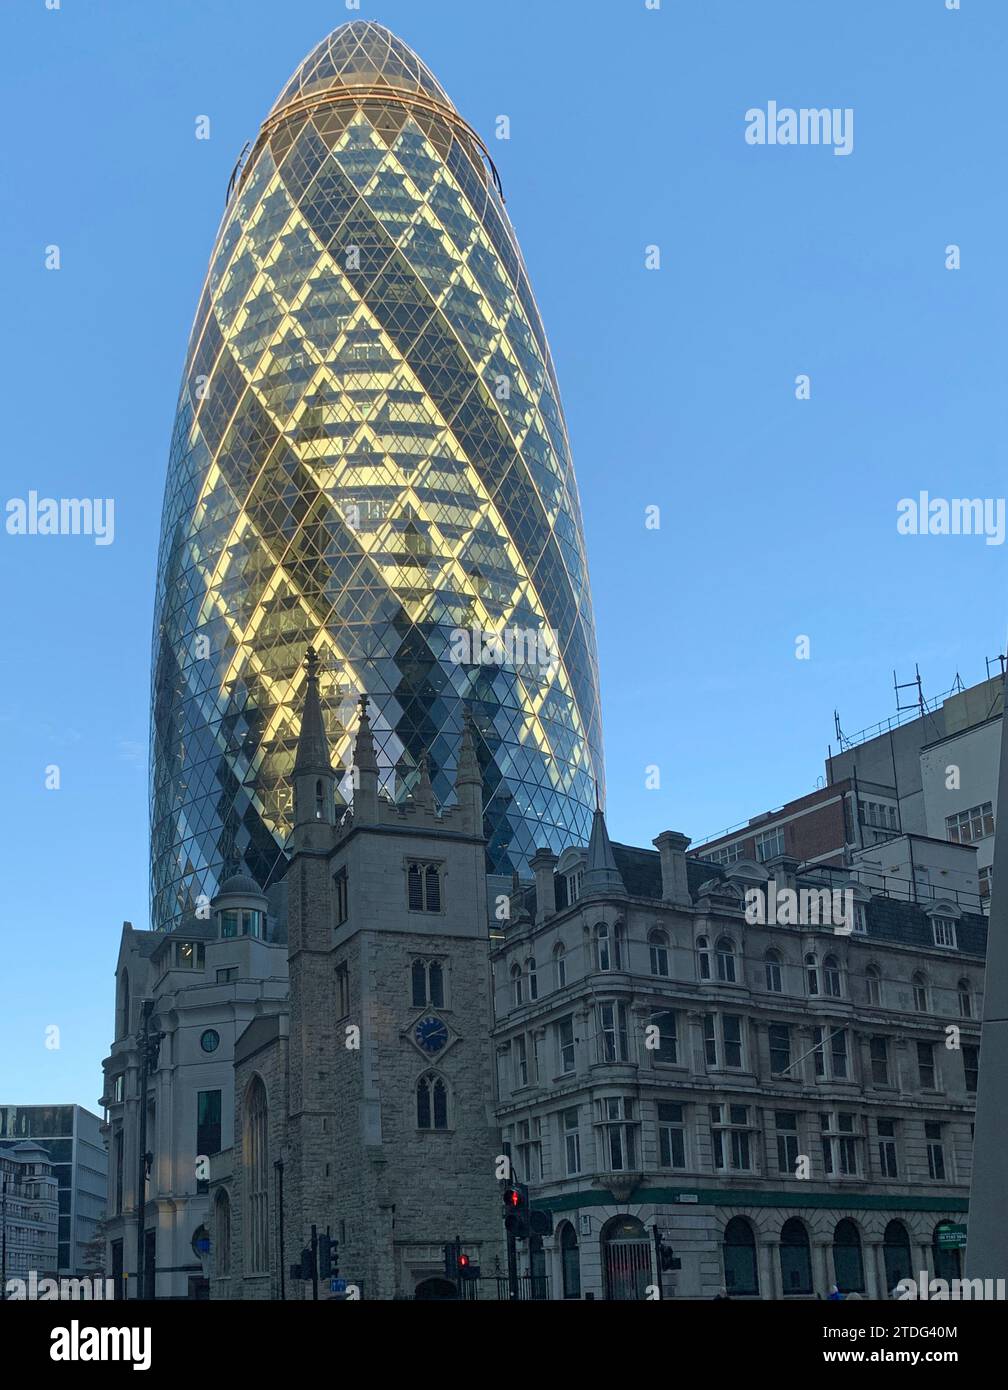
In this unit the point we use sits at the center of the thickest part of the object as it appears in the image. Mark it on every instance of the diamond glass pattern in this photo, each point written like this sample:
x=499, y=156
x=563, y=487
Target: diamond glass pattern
x=347, y=470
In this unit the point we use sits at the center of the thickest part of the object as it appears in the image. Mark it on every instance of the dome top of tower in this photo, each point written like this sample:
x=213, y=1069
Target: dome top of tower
x=361, y=54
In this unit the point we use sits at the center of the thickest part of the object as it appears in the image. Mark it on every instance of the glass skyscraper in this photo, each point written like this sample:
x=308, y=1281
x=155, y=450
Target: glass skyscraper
x=369, y=456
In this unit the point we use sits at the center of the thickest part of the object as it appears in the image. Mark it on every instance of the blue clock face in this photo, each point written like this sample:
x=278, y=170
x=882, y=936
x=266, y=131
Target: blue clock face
x=431, y=1034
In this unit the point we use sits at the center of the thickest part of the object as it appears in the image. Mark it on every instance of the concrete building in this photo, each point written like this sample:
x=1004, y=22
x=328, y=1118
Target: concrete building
x=207, y=982
x=72, y=1138
x=372, y=1110
x=29, y=1212
x=930, y=778
x=791, y=1105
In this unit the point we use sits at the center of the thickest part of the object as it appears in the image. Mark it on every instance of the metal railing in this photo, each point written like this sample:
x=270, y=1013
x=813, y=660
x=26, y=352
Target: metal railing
x=532, y=1288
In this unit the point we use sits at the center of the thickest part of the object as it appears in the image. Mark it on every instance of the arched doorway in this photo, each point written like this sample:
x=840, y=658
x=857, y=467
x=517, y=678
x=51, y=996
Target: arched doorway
x=896, y=1255
x=739, y=1253
x=795, y=1258
x=570, y=1261
x=848, y=1266
x=626, y=1259
x=435, y=1289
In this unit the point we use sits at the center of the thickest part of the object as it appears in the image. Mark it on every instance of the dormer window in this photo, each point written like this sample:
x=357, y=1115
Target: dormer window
x=944, y=929
x=423, y=887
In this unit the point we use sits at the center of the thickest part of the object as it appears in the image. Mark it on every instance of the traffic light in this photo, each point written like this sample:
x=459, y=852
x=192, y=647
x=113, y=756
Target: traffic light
x=540, y=1222
x=516, y=1210
x=328, y=1257
x=307, y=1263
x=668, y=1261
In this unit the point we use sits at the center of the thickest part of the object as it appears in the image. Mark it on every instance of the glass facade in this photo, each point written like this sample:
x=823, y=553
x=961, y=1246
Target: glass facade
x=369, y=456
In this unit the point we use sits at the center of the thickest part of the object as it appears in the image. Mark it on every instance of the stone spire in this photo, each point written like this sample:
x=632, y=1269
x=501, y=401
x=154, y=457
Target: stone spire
x=600, y=873
x=313, y=746
x=365, y=770
x=313, y=777
x=469, y=781
x=423, y=792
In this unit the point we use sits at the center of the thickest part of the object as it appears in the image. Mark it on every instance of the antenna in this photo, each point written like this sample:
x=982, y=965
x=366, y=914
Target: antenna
x=920, y=703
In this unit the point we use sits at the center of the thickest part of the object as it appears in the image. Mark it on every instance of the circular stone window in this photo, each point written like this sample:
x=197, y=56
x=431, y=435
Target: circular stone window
x=210, y=1041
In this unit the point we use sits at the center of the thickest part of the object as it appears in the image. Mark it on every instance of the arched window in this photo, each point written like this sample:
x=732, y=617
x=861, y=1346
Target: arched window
x=533, y=978
x=319, y=801
x=626, y=1259
x=848, y=1266
x=435, y=983
x=772, y=964
x=222, y=1235
x=896, y=1254
x=739, y=1253
x=603, y=956
x=873, y=984
x=658, y=946
x=703, y=958
x=432, y=1102
x=570, y=1261
x=811, y=974
x=560, y=965
x=831, y=976
x=433, y=888
x=726, y=960
x=419, y=984
x=920, y=992
x=795, y=1258
x=414, y=888
x=124, y=1004
x=965, y=999
x=516, y=984
x=256, y=1163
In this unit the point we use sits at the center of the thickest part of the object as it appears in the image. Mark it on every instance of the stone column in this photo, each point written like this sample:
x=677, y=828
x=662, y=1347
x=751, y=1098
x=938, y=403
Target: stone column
x=822, y=1266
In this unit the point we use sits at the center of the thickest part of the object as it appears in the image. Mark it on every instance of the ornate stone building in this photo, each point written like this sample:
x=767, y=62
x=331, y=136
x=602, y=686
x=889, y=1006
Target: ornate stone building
x=791, y=1105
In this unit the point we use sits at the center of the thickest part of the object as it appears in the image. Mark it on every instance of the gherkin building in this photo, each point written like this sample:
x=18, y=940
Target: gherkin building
x=369, y=456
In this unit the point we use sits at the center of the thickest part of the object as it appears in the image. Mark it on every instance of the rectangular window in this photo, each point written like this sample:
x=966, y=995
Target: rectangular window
x=226, y=974
x=971, y=1067
x=572, y=1141
x=342, y=990
x=710, y=1040
x=732, y=1030
x=818, y=1055
x=944, y=929
x=770, y=844
x=612, y=1035
x=967, y=826
x=730, y=1140
x=521, y=1061
x=208, y=1129
x=780, y=1047
x=117, y=1150
x=926, y=1066
x=839, y=1144
x=985, y=876
x=119, y=1088
x=671, y=1135
x=565, y=1039
x=839, y=1053
x=786, y=1123
x=619, y=1144
x=887, y=1148
x=879, y=1052
x=935, y=1152
x=668, y=1037
x=189, y=955
x=340, y=896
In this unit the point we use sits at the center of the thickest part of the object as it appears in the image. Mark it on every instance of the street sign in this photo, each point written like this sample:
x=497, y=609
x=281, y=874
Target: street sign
x=951, y=1237
x=337, y=1286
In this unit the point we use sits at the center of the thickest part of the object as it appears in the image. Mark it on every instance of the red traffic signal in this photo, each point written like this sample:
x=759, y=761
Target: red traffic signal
x=463, y=1262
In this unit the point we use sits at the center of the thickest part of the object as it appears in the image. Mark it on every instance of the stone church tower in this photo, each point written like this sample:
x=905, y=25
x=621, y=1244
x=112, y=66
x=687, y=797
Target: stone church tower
x=390, y=1138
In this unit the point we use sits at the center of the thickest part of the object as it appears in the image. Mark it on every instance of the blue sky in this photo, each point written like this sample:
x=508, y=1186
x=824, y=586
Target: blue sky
x=778, y=516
